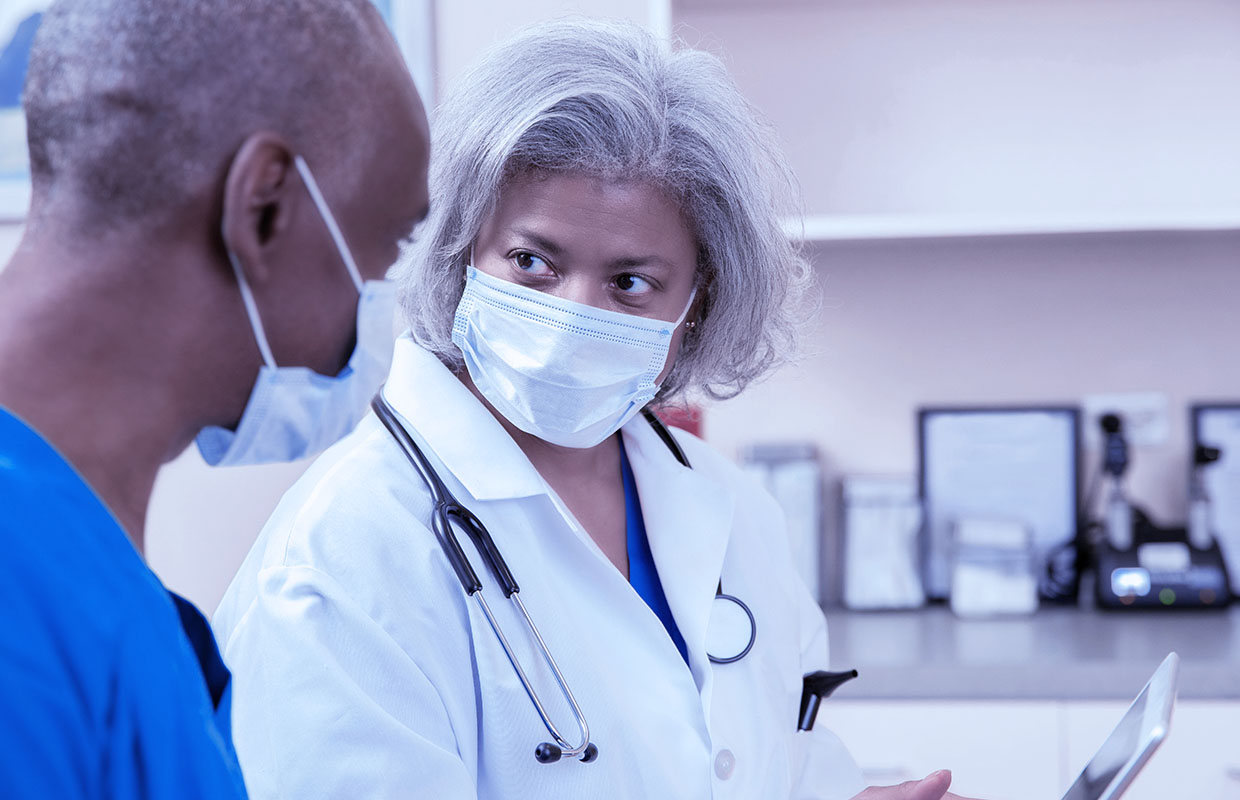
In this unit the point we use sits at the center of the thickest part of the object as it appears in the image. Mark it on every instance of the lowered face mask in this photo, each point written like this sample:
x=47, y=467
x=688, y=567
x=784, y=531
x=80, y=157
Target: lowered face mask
x=566, y=372
x=294, y=412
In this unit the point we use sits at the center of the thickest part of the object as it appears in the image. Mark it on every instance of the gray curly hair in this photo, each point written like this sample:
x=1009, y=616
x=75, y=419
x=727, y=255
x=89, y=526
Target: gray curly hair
x=607, y=99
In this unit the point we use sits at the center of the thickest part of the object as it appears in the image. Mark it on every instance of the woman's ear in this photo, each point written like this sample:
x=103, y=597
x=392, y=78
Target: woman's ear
x=258, y=196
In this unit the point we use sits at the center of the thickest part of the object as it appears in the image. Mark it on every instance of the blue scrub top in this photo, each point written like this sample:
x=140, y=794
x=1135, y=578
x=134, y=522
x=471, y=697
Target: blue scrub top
x=102, y=692
x=643, y=576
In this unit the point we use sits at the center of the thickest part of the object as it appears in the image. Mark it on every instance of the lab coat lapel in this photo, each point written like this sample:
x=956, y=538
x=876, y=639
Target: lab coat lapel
x=688, y=516
x=459, y=430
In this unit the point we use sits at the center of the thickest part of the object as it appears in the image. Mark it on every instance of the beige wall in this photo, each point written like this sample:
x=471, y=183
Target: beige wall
x=911, y=322
x=202, y=521
x=10, y=235
x=464, y=29
x=1012, y=320
x=966, y=106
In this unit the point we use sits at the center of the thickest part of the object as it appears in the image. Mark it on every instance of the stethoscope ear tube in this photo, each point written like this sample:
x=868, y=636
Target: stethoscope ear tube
x=445, y=509
x=477, y=532
x=440, y=525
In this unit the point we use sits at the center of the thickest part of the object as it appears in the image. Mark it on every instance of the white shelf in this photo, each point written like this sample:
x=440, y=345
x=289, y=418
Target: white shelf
x=862, y=227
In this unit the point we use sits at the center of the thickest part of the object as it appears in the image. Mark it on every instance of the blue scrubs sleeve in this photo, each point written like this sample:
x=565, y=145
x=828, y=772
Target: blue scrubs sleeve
x=643, y=576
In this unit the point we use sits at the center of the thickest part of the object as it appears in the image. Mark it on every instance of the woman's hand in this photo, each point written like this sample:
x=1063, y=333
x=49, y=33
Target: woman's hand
x=932, y=787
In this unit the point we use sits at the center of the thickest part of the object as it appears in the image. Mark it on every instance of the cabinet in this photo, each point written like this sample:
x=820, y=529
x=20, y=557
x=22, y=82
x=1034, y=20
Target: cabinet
x=1200, y=758
x=996, y=751
x=1034, y=750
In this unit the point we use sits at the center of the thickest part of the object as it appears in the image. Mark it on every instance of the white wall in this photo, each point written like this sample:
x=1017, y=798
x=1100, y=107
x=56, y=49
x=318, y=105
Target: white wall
x=1011, y=320
x=992, y=105
x=464, y=29
x=920, y=107
x=202, y=521
x=10, y=235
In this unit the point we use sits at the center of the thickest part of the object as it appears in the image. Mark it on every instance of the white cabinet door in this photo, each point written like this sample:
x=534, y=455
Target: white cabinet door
x=1200, y=759
x=995, y=750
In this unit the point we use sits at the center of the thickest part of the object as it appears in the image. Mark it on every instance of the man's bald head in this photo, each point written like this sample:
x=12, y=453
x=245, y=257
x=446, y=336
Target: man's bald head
x=133, y=107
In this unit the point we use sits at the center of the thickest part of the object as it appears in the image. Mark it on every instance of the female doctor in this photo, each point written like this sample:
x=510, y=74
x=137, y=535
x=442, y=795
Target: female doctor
x=604, y=233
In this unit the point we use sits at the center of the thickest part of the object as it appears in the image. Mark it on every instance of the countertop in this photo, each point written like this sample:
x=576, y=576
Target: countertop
x=1059, y=653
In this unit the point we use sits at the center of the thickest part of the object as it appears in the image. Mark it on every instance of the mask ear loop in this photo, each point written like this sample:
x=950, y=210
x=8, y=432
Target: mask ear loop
x=251, y=308
x=337, y=237
x=688, y=305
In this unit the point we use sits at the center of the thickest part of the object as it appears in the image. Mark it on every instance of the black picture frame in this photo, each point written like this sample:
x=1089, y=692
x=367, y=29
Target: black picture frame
x=1065, y=551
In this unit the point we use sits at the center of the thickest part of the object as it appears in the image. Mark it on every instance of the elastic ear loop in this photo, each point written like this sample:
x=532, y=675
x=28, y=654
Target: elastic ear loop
x=688, y=305
x=247, y=296
x=251, y=308
x=329, y=221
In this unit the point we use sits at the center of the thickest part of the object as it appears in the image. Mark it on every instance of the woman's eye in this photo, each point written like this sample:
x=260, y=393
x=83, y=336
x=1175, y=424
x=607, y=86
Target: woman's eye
x=528, y=262
x=633, y=284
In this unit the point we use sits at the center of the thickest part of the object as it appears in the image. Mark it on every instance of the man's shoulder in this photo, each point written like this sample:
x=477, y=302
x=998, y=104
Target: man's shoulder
x=64, y=552
x=91, y=649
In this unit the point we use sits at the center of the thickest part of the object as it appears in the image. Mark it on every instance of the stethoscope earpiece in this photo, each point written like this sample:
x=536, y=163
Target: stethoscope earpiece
x=547, y=753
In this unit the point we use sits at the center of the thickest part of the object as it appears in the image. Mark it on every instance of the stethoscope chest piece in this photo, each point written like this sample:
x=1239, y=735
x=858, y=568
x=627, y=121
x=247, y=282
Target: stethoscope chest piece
x=731, y=632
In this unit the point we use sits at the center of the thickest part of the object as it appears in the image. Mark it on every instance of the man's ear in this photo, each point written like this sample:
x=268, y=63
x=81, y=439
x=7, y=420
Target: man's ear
x=258, y=197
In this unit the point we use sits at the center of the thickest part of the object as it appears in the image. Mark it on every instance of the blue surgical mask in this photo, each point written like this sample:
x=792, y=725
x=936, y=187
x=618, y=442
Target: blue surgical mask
x=568, y=373
x=294, y=412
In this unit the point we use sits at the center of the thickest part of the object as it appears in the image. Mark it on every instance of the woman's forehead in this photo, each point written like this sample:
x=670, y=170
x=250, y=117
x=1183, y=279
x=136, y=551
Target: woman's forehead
x=631, y=218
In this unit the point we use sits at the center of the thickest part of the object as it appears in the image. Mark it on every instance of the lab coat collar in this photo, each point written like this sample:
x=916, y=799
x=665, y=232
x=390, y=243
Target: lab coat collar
x=688, y=515
x=457, y=427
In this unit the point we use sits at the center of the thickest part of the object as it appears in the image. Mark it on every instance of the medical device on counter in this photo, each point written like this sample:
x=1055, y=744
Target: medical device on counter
x=1114, y=465
x=881, y=521
x=792, y=473
x=1139, y=564
x=447, y=511
x=1200, y=510
x=994, y=569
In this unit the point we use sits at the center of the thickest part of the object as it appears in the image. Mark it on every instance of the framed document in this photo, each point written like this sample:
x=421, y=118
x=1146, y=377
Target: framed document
x=1001, y=463
x=1218, y=425
x=19, y=19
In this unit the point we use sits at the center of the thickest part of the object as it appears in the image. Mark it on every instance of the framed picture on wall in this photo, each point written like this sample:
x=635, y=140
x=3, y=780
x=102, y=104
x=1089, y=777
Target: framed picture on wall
x=412, y=24
x=19, y=19
x=410, y=21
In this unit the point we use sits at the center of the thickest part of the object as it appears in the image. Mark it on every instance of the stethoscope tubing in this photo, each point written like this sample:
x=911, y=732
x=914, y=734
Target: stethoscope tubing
x=753, y=630
x=446, y=508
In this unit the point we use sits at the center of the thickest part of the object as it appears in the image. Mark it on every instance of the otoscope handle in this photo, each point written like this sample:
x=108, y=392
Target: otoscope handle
x=817, y=687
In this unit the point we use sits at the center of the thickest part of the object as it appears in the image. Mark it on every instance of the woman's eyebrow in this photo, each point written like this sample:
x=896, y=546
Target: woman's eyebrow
x=554, y=250
x=629, y=262
x=539, y=241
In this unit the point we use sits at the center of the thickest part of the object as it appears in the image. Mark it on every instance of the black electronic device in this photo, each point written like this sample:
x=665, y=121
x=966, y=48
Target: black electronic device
x=1160, y=570
x=1138, y=564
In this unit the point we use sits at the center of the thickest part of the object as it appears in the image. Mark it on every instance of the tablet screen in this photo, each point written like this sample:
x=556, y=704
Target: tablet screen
x=1132, y=742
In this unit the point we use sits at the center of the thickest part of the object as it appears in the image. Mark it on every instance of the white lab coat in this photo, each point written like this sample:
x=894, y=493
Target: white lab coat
x=362, y=670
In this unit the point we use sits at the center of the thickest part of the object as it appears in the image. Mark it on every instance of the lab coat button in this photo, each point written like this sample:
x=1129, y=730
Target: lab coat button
x=725, y=762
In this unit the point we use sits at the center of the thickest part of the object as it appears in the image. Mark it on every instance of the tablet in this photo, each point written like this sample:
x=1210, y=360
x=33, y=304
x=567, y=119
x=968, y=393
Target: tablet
x=1143, y=727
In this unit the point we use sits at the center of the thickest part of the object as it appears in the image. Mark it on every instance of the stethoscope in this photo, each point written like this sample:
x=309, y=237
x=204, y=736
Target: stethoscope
x=445, y=509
